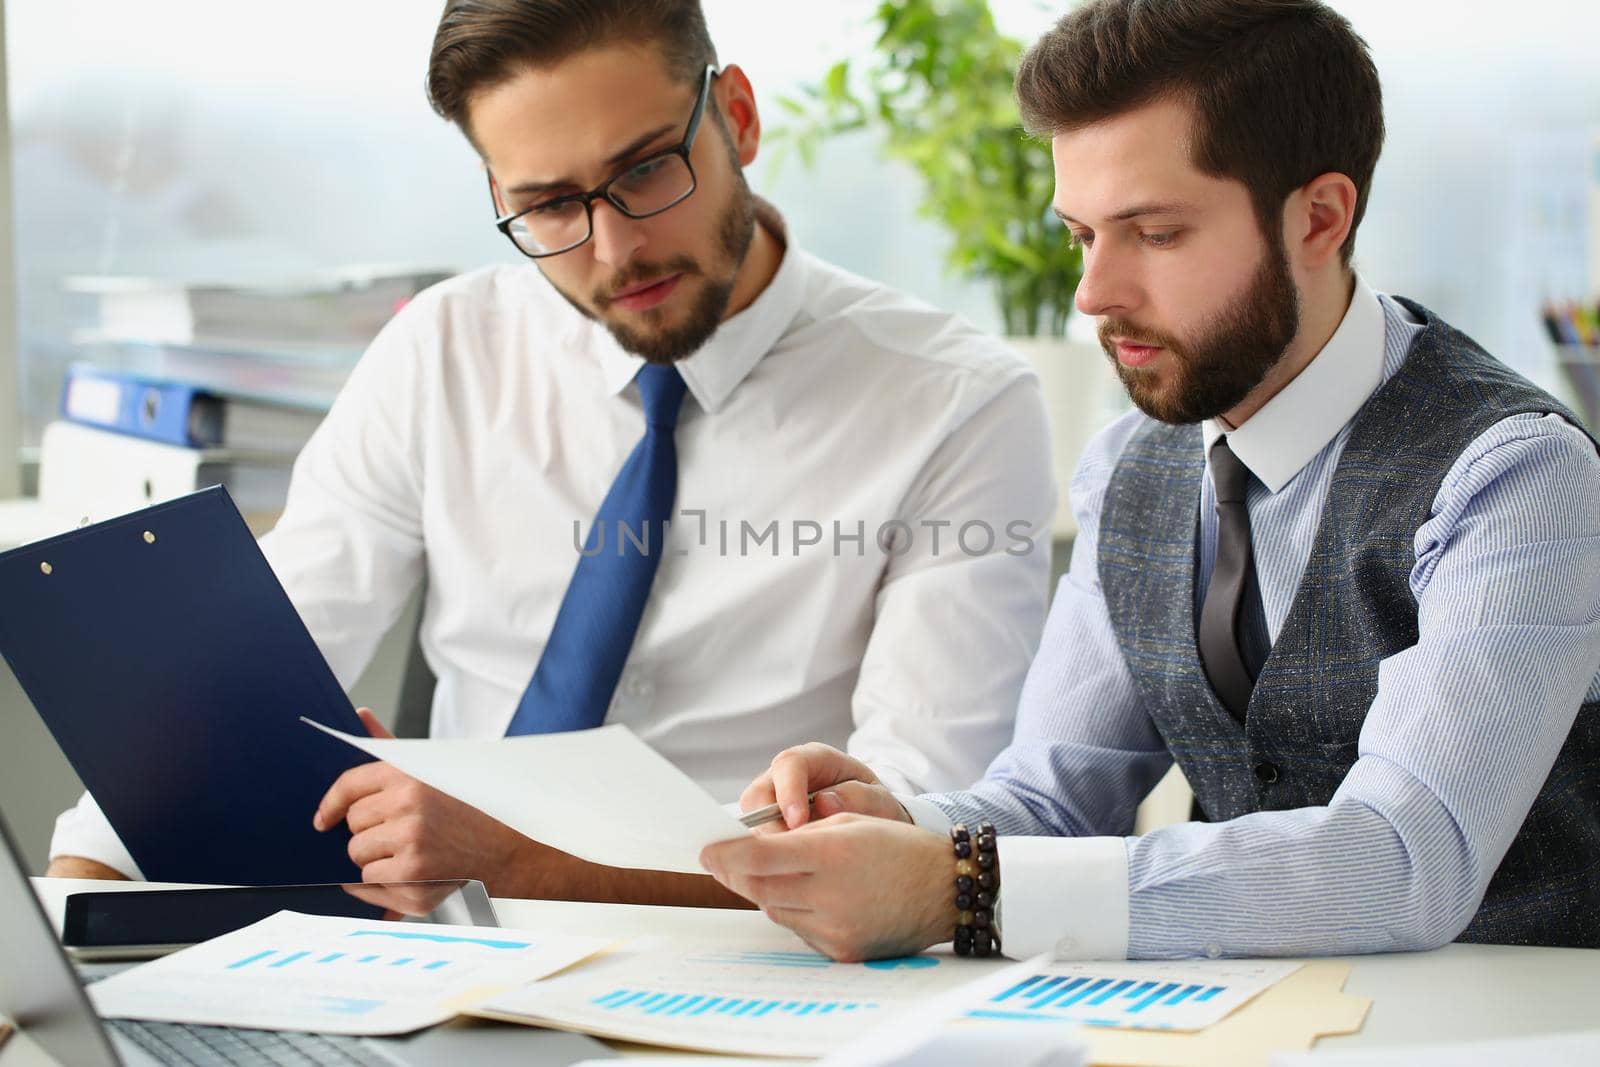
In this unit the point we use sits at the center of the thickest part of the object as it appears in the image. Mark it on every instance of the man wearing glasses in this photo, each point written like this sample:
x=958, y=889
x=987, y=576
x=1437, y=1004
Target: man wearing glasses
x=673, y=473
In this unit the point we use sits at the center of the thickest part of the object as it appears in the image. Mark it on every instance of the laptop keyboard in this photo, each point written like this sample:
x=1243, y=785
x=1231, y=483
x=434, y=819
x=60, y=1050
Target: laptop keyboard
x=208, y=1046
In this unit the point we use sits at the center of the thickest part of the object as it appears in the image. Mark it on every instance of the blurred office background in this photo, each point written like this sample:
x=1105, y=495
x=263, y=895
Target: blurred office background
x=253, y=143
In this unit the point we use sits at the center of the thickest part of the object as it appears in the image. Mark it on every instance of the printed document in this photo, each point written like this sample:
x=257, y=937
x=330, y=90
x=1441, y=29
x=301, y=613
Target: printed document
x=602, y=795
x=335, y=975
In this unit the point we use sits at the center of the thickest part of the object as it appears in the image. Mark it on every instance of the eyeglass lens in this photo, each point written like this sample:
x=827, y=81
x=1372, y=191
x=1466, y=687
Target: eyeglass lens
x=646, y=189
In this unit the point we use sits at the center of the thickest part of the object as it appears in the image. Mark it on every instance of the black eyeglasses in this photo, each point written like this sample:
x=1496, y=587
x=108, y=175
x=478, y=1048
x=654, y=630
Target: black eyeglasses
x=645, y=188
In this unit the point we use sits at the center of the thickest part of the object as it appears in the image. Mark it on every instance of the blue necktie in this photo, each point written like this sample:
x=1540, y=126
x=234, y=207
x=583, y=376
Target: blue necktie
x=572, y=686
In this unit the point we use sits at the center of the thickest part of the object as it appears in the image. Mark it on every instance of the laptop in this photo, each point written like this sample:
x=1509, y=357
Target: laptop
x=41, y=993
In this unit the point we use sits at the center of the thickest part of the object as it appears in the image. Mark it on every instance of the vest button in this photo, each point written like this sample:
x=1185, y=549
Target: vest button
x=1267, y=772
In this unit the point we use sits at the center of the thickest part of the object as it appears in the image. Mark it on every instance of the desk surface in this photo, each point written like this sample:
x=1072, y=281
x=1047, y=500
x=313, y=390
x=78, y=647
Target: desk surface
x=1458, y=993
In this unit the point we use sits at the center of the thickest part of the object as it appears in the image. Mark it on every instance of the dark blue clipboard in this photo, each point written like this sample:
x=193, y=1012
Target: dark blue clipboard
x=172, y=670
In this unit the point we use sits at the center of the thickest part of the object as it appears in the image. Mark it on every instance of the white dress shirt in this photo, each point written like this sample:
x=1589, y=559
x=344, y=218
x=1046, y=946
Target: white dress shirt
x=1460, y=737
x=474, y=442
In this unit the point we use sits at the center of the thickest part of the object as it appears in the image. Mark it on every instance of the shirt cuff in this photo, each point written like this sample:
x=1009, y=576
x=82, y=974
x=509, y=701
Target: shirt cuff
x=1064, y=896
x=925, y=813
x=84, y=831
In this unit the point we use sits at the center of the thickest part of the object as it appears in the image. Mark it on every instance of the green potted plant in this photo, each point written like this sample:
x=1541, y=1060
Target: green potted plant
x=938, y=91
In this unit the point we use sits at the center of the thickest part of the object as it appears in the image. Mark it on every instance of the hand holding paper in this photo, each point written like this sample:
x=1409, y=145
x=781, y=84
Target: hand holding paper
x=602, y=795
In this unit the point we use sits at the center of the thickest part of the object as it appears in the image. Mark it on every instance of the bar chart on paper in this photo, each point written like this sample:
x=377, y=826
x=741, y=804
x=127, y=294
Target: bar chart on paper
x=333, y=975
x=277, y=959
x=644, y=1002
x=735, y=1000
x=1138, y=996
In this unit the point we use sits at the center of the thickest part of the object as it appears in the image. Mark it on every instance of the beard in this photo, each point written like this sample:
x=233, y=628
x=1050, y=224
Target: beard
x=1212, y=373
x=655, y=342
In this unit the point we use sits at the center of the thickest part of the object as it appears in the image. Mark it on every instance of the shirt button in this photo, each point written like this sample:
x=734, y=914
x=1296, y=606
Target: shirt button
x=638, y=687
x=1214, y=951
x=1267, y=772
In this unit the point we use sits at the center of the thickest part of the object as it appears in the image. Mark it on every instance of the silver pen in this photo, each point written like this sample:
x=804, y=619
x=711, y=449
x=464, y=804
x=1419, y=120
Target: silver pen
x=770, y=813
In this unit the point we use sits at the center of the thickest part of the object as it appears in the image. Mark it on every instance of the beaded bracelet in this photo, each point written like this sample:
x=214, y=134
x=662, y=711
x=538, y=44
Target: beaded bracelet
x=977, y=885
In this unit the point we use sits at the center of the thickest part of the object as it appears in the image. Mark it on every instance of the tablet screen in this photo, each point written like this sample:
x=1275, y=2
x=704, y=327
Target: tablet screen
x=166, y=917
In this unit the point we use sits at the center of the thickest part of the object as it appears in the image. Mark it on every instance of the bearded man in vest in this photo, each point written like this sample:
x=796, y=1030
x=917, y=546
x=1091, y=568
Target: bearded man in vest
x=1342, y=566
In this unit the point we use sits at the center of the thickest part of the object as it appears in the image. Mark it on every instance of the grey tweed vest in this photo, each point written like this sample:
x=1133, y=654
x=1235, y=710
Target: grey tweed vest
x=1352, y=609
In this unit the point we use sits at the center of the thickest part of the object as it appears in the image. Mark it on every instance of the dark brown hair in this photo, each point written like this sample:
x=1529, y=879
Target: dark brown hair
x=482, y=43
x=1282, y=90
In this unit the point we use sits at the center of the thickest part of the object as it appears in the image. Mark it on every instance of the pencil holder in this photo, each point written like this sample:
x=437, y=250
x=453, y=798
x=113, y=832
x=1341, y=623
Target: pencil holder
x=1580, y=367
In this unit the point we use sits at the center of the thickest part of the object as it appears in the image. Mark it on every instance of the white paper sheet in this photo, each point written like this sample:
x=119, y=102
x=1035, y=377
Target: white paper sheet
x=1180, y=995
x=939, y=1033
x=334, y=975
x=602, y=795
x=725, y=998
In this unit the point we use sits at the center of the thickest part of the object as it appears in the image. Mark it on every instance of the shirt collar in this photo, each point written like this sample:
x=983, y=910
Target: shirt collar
x=730, y=354
x=1290, y=429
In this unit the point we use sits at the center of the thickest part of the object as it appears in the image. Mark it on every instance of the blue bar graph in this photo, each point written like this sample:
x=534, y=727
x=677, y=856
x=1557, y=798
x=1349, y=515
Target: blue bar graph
x=248, y=960
x=665, y=1003
x=1096, y=1000
x=281, y=959
x=1108, y=994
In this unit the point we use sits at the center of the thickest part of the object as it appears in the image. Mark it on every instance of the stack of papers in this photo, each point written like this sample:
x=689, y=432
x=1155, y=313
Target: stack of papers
x=724, y=998
x=334, y=975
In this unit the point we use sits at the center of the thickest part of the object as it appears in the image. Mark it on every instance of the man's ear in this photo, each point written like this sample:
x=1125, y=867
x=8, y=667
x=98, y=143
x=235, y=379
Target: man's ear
x=1319, y=216
x=736, y=101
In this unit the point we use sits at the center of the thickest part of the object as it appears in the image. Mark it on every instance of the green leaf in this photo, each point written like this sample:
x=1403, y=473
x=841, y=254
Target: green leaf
x=938, y=92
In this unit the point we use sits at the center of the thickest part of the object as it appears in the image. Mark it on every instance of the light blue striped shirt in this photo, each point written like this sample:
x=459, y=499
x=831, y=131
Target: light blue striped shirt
x=1459, y=740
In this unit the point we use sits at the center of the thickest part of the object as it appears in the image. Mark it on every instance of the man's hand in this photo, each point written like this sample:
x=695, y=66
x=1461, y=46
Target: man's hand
x=841, y=783
x=852, y=887
x=79, y=867
x=402, y=830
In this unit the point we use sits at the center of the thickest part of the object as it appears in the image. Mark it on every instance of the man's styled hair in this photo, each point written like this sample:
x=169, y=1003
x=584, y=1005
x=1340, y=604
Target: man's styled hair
x=481, y=43
x=1282, y=90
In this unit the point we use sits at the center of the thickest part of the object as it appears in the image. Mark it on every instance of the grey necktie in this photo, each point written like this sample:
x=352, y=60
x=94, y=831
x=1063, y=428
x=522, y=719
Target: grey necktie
x=1221, y=652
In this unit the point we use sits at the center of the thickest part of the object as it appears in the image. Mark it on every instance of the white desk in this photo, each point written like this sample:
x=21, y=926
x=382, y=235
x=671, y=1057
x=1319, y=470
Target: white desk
x=1459, y=993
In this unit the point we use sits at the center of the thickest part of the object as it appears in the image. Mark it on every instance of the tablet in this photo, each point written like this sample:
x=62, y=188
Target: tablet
x=142, y=924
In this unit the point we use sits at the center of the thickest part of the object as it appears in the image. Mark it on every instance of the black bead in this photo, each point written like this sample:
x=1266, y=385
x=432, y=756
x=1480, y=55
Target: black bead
x=963, y=901
x=964, y=849
x=980, y=919
x=985, y=860
x=982, y=947
x=958, y=832
x=963, y=936
x=986, y=880
x=986, y=842
x=964, y=883
x=984, y=900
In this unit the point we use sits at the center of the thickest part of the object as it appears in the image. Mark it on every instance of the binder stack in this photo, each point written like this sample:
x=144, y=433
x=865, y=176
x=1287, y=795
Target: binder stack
x=176, y=386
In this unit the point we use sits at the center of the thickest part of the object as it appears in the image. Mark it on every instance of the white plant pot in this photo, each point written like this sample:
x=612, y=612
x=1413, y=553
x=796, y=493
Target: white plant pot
x=1081, y=396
